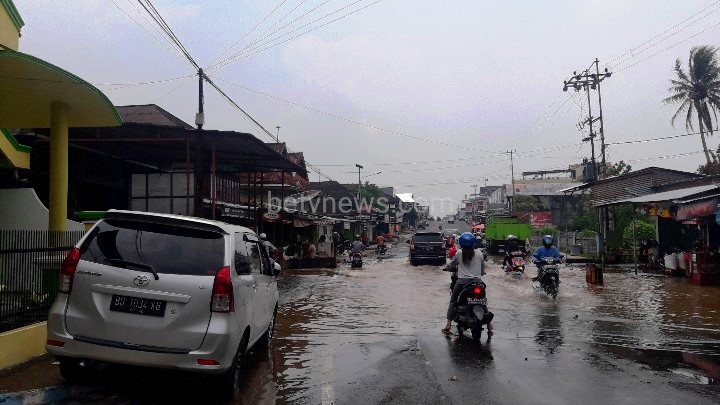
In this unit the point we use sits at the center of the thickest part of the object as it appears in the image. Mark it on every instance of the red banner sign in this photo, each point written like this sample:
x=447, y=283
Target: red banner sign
x=537, y=219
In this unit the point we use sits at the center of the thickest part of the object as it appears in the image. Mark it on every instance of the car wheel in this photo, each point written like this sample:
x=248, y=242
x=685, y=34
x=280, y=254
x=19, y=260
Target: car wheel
x=267, y=336
x=74, y=370
x=233, y=377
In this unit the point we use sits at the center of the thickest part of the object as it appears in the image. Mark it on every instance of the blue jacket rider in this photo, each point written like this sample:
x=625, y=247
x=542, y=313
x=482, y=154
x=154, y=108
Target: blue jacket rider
x=546, y=250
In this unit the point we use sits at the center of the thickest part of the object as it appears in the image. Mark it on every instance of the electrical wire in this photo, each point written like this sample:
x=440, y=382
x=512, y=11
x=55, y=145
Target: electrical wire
x=633, y=50
x=247, y=33
x=352, y=121
x=159, y=41
x=271, y=44
x=662, y=138
x=158, y=18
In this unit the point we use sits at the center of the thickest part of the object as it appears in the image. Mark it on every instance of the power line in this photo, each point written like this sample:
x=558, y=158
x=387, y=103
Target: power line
x=158, y=18
x=258, y=49
x=633, y=52
x=247, y=33
x=656, y=139
x=258, y=125
x=352, y=121
x=159, y=41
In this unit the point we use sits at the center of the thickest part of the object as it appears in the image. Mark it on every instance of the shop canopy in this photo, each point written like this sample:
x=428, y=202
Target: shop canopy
x=670, y=196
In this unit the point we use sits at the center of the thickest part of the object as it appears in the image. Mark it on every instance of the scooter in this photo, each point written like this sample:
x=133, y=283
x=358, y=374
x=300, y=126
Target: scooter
x=472, y=312
x=550, y=275
x=516, y=265
x=381, y=249
x=355, y=261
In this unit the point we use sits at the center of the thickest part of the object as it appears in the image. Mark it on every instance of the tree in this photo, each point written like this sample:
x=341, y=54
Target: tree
x=526, y=203
x=643, y=230
x=619, y=168
x=585, y=216
x=697, y=91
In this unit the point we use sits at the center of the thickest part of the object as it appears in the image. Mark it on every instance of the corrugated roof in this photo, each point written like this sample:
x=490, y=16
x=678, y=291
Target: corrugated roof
x=150, y=114
x=671, y=195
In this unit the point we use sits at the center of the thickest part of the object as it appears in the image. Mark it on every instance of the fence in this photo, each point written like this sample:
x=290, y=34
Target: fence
x=29, y=274
x=566, y=239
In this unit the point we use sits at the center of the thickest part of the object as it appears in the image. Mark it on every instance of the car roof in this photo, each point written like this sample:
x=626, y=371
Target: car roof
x=208, y=224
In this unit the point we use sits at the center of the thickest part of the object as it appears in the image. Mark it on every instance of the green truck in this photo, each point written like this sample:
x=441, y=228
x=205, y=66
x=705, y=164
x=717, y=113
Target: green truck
x=498, y=227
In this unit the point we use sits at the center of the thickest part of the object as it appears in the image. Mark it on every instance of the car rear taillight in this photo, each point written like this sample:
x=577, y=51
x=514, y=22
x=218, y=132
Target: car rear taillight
x=222, y=293
x=56, y=343
x=67, y=270
x=207, y=362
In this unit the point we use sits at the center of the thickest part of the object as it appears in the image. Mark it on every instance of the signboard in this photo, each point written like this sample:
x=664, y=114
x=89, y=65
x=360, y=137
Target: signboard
x=697, y=209
x=346, y=225
x=537, y=219
x=237, y=213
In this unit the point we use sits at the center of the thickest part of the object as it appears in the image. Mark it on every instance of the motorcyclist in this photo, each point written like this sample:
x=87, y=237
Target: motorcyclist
x=269, y=247
x=546, y=250
x=469, y=264
x=380, y=240
x=357, y=246
x=512, y=249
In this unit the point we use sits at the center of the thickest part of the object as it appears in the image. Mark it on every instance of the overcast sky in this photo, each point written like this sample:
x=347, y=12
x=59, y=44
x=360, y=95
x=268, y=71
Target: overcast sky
x=486, y=75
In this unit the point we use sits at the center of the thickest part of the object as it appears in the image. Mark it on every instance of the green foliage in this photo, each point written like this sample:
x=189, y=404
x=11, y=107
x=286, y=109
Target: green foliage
x=619, y=168
x=548, y=230
x=585, y=217
x=524, y=203
x=696, y=90
x=587, y=233
x=644, y=230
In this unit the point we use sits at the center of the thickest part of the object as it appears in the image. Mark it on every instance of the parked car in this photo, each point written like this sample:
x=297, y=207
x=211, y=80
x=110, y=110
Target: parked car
x=164, y=291
x=427, y=247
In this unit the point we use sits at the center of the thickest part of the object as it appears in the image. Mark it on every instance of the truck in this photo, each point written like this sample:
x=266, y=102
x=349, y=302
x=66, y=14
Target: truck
x=498, y=227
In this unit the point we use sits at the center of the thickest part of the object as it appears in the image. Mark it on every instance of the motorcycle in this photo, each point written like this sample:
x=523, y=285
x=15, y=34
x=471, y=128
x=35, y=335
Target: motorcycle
x=380, y=249
x=355, y=261
x=549, y=275
x=516, y=265
x=472, y=312
x=344, y=246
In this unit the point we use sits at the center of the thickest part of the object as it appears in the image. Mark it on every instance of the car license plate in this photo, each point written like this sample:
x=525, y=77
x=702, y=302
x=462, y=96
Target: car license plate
x=477, y=301
x=140, y=306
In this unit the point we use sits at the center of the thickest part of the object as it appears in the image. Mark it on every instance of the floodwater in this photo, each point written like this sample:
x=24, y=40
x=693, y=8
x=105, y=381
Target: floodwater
x=373, y=336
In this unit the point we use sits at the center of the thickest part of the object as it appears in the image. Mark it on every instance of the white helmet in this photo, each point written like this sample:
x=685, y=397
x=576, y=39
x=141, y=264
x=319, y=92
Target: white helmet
x=263, y=236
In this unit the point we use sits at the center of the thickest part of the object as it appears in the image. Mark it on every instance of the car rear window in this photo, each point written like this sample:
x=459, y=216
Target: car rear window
x=168, y=249
x=427, y=237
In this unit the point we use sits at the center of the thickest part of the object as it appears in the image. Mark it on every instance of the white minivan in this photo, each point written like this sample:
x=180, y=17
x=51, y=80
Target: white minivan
x=164, y=291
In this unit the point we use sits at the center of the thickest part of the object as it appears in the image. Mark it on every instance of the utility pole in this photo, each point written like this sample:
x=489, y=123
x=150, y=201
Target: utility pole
x=277, y=137
x=512, y=178
x=591, y=81
x=359, y=184
x=198, y=163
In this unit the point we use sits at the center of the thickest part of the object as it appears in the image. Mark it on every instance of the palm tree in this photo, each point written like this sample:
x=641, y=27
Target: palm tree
x=697, y=91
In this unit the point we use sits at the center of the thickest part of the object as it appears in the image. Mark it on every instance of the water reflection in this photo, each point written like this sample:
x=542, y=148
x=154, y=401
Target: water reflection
x=549, y=334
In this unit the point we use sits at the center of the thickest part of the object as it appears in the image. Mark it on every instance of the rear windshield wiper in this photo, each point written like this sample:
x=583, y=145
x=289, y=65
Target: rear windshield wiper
x=136, y=264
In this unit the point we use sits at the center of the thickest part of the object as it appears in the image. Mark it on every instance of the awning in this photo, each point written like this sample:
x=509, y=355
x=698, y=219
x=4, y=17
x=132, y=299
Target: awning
x=672, y=195
x=30, y=85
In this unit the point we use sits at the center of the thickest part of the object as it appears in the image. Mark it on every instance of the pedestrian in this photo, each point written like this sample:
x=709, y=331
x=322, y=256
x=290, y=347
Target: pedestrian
x=364, y=238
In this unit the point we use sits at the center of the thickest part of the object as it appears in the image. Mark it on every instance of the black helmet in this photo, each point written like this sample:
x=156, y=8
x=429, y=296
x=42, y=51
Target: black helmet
x=511, y=238
x=547, y=241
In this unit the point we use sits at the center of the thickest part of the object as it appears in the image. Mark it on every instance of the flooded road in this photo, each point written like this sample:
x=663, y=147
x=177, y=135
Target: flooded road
x=373, y=336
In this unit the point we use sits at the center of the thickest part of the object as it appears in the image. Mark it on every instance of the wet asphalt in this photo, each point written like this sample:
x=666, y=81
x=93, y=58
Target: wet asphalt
x=372, y=336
